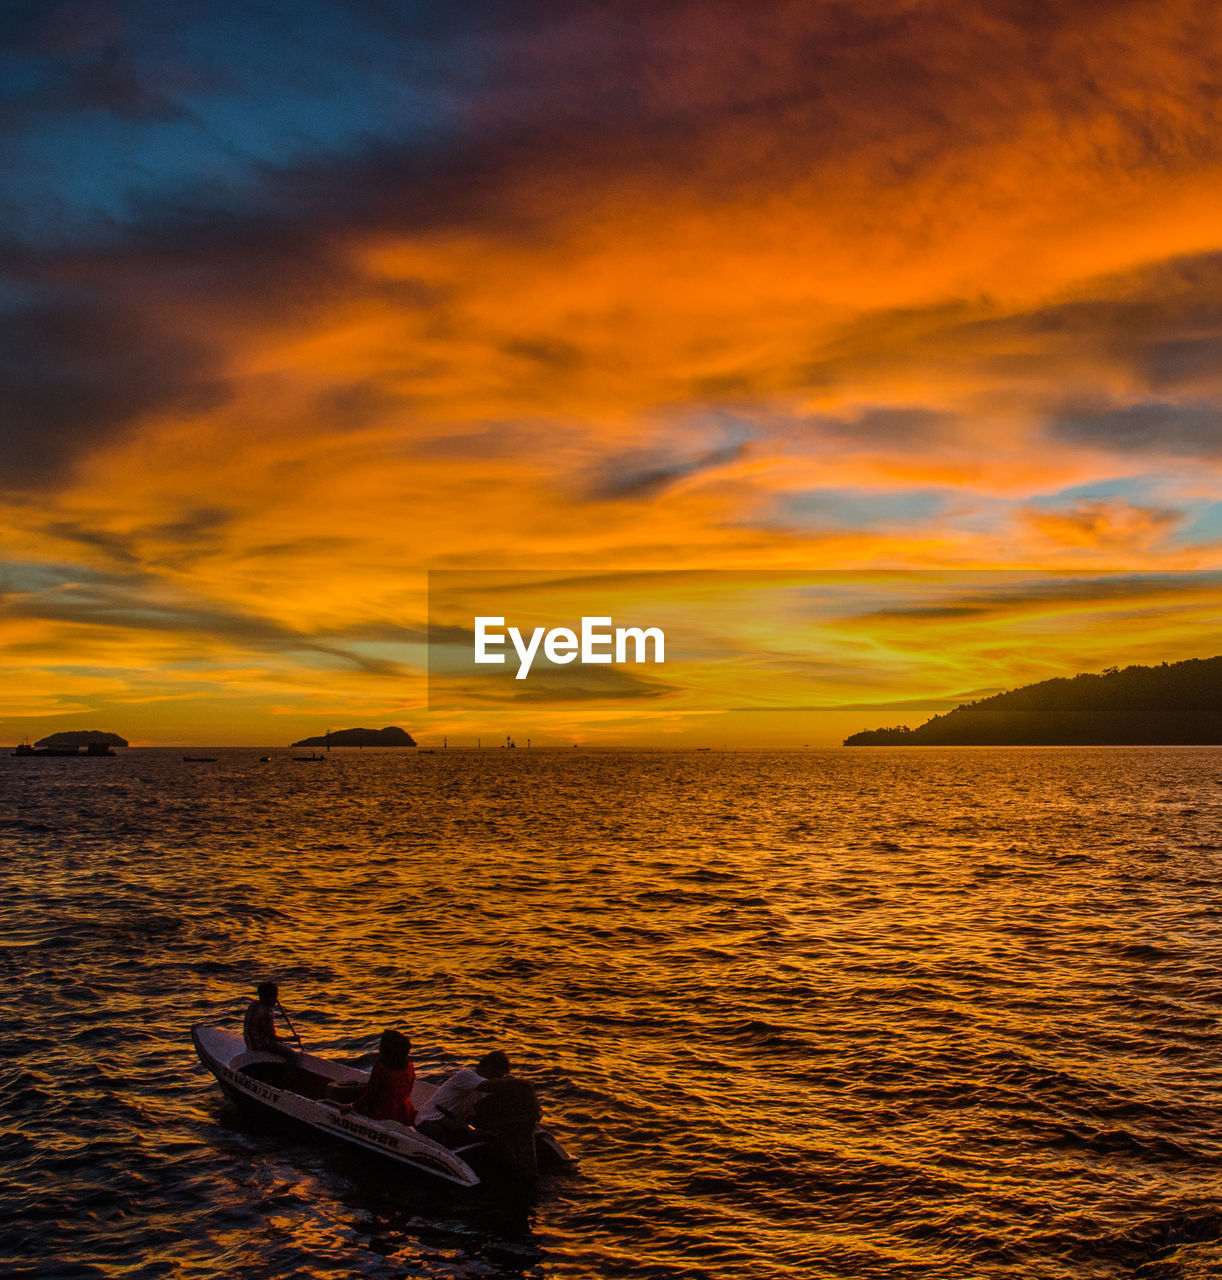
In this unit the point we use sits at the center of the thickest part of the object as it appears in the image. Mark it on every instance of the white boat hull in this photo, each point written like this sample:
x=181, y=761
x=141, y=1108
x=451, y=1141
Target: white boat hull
x=238, y=1069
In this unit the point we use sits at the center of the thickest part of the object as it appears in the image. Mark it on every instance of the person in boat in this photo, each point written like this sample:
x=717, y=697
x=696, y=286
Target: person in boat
x=388, y=1095
x=448, y=1114
x=259, y=1025
x=507, y=1111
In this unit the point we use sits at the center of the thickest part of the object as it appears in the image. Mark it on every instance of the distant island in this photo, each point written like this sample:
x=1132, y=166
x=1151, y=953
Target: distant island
x=81, y=738
x=391, y=736
x=1174, y=704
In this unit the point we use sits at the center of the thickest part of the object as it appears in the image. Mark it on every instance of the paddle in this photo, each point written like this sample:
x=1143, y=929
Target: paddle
x=292, y=1028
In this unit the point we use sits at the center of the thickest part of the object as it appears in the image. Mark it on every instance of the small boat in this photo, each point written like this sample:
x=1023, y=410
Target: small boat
x=315, y=756
x=301, y=1091
x=199, y=759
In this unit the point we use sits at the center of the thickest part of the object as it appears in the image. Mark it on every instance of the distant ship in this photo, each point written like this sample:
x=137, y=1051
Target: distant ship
x=93, y=749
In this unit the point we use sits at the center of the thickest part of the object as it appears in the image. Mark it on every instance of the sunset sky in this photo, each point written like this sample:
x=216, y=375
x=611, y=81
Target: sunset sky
x=303, y=301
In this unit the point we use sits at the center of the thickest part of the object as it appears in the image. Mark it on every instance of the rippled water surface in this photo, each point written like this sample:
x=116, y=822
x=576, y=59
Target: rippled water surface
x=875, y=1013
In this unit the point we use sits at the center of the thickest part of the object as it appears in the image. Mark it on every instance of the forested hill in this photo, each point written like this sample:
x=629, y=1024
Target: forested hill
x=391, y=736
x=1180, y=702
x=82, y=738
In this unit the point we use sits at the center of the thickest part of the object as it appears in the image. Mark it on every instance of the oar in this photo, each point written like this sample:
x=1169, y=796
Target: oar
x=292, y=1028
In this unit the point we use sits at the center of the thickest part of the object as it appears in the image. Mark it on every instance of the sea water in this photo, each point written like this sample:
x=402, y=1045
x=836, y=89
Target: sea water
x=860, y=1013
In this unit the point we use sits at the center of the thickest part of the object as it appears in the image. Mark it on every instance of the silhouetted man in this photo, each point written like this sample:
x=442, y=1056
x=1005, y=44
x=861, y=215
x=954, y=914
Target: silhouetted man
x=259, y=1025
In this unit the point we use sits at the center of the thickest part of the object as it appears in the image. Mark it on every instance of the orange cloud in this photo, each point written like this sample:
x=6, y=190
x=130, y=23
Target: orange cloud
x=800, y=286
x=1111, y=527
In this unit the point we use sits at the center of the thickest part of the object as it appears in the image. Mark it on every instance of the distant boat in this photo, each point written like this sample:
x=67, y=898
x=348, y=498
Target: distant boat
x=94, y=749
x=315, y=756
x=264, y=759
x=199, y=759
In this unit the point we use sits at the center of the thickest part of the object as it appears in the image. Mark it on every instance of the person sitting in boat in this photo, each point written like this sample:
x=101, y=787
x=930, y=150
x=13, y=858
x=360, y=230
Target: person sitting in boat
x=259, y=1026
x=449, y=1112
x=388, y=1095
x=507, y=1110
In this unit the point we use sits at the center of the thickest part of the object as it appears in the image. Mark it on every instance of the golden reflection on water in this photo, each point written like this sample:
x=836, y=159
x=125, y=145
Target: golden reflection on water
x=842, y=1014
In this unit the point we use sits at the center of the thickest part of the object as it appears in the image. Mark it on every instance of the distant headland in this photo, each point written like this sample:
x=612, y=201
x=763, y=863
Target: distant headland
x=81, y=738
x=1175, y=704
x=391, y=736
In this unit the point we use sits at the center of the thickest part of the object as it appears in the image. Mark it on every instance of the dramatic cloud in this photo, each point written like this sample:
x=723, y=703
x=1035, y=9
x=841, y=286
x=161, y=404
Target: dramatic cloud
x=644, y=474
x=1194, y=430
x=78, y=371
x=301, y=304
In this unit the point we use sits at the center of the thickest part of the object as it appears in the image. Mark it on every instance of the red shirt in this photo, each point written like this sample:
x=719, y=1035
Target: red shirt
x=388, y=1095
